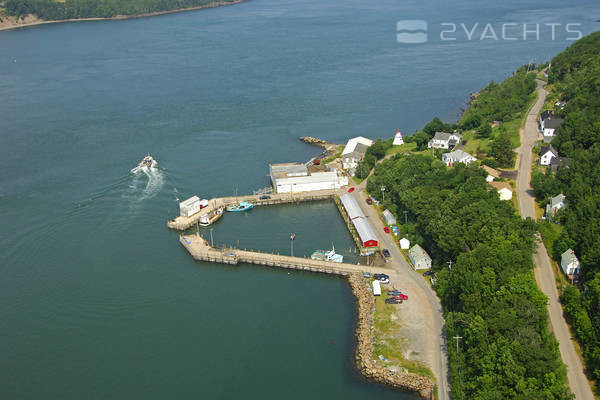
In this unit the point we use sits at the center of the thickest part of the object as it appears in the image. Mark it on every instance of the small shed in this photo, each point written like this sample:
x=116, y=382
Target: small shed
x=404, y=244
x=388, y=217
x=190, y=206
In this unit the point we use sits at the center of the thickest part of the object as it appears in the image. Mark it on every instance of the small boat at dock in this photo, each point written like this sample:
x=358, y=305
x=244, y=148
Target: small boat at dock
x=327, y=255
x=243, y=206
x=211, y=218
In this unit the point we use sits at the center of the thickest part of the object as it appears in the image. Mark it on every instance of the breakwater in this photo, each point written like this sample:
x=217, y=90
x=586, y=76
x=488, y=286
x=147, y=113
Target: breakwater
x=365, y=358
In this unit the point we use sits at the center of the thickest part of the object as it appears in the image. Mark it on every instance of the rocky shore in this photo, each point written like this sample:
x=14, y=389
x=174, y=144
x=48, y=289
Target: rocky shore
x=317, y=142
x=365, y=359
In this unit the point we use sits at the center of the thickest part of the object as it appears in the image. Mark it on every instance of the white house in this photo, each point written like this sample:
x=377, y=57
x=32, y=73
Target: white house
x=504, y=190
x=354, y=152
x=398, y=141
x=419, y=257
x=297, y=177
x=556, y=203
x=569, y=263
x=404, y=243
x=547, y=153
x=551, y=125
x=457, y=156
x=443, y=140
x=492, y=173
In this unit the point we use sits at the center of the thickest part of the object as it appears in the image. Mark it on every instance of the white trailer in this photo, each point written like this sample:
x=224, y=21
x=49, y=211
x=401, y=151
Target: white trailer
x=189, y=207
x=203, y=203
x=376, y=288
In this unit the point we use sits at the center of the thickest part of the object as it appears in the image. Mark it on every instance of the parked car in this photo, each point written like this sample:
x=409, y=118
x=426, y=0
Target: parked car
x=265, y=197
x=386, y=229
x=377, y=276
x=351, y=190
x=386, y=253
x=394, y=293
x=401, y=297
x=430, y=272
x=384, y=280
x=367, y=274
x=392, y=300
x=369, y=201
x=317, y=161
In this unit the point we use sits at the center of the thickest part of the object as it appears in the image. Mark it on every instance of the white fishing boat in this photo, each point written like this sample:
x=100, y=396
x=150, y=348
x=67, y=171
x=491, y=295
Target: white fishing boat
x=147, y=163
x=327, y=255
x=212, y=217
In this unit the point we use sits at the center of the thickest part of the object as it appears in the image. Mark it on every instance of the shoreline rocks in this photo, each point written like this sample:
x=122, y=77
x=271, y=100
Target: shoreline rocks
x=364, y=357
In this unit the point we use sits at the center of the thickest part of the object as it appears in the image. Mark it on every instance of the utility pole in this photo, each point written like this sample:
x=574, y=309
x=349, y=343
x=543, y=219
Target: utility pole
x=457, y=338
x=405, y=217
x=292, y=237
x=449, y=265
x=383, y=191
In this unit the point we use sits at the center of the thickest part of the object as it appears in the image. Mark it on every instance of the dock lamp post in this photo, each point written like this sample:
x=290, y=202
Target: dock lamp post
x=211, y=238
x=405, y=217
x=292, y=237
x=383, y=191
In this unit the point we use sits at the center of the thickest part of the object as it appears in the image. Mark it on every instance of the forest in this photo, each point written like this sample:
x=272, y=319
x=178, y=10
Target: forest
x=575, y=79
x=72, y=9
x=489, y=293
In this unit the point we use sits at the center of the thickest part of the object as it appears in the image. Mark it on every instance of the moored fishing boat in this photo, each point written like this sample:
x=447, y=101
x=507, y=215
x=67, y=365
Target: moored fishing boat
x=327, y=255
x=211, y=218
x=243, y=206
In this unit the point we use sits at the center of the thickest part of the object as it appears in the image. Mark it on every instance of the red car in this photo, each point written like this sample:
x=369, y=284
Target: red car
x=400, y=297
x=351, y=190
x=369, y=201
x=386, y=229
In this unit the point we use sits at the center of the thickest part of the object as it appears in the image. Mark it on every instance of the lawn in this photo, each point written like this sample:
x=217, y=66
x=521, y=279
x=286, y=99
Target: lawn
x=405, y=148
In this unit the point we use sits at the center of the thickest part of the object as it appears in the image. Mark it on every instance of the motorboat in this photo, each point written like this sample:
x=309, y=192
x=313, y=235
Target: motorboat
x=147, y=163
x=212, y=217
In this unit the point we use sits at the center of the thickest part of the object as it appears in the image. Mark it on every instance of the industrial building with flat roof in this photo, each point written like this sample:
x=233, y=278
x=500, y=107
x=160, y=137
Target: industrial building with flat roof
x=359, y=220
x=297, y=177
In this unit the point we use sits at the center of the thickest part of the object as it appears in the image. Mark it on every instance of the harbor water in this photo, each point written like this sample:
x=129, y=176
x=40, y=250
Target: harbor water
x=98, y=298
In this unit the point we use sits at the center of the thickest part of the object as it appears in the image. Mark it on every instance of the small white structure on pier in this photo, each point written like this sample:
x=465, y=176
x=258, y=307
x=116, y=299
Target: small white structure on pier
x=297, y=177
x=404, y=244
x=376, y=288
x=398, y=140
x=189, y=207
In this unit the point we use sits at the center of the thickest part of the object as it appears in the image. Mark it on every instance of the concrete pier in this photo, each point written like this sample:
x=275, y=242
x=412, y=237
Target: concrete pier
x=182, y=223
x=201, y=250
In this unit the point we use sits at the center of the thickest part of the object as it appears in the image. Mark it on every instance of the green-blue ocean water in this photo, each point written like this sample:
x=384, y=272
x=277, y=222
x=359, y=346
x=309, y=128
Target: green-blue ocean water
x=98, y=299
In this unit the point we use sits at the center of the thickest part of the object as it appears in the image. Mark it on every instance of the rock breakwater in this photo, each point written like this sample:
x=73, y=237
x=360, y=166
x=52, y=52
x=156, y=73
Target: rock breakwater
x=364, y=358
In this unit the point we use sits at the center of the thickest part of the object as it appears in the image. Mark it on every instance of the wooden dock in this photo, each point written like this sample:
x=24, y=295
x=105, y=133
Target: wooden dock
x=182, y=223
x=201, y=250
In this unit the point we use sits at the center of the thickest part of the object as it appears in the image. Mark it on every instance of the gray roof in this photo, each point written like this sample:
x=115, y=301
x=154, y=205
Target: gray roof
x=389, y=217
x=416, y=253
x=546, y=114
x=363, y=228
x=556, y=200
x=568, y=257
x=359, y=152
x=558, y=162
x=548, y=148
x=553, y=123
x=457, y=155
x=444, y=136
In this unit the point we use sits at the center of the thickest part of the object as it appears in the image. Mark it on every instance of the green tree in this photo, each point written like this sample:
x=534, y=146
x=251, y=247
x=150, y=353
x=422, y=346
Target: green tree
x=484, y=130
x=502, y=150
x=421, y=139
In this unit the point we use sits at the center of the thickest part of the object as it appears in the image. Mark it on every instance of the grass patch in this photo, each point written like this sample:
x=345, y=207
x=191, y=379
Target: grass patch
x=550, y=232
x=404, y=149
x=388, y=344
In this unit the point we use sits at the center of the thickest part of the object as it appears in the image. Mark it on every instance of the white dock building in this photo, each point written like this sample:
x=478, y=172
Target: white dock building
x=297, y=177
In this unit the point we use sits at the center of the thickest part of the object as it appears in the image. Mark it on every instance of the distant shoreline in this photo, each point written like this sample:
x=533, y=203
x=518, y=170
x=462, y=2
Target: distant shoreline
x=4, y=25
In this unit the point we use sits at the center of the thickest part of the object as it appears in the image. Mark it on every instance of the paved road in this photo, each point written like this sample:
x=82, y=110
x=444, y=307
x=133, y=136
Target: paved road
x=427, y=316
x=544, y=273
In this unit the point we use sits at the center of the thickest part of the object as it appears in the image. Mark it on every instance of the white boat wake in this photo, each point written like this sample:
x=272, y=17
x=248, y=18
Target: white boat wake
x=146, y=183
